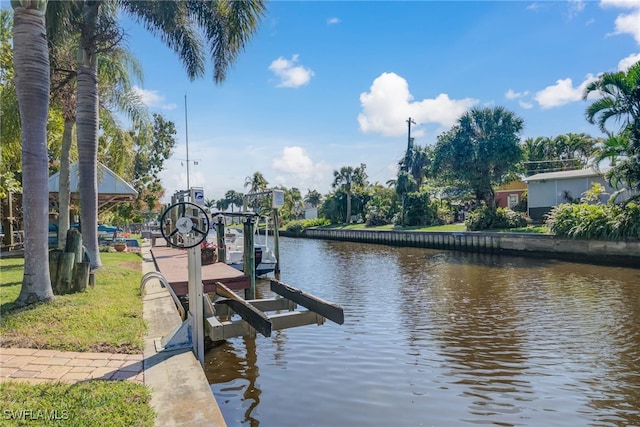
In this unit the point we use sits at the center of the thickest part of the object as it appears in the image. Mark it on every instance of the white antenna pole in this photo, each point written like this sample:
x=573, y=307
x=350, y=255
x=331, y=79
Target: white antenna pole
x=186, y=134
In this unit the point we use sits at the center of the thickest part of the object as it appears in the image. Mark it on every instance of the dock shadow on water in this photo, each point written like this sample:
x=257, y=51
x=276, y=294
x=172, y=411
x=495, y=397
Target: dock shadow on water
x=440, y=338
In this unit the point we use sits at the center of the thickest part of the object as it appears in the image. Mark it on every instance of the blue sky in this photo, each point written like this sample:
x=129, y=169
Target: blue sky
x=328, y=84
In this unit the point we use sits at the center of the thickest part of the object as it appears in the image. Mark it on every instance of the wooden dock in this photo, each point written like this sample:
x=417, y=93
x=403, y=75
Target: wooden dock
x=172, y=264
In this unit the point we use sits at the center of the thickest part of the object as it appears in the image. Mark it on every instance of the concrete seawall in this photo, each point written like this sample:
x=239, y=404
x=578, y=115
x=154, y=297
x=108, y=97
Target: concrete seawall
x=624, y=253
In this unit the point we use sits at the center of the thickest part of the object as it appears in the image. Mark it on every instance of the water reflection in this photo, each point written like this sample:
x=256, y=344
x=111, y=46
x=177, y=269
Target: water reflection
x=441, y=338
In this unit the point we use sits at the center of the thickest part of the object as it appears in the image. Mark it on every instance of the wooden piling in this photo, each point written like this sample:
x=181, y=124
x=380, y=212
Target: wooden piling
x=249, y=257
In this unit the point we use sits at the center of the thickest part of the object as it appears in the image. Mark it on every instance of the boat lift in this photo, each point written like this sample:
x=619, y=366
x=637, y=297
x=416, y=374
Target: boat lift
x=218, y=313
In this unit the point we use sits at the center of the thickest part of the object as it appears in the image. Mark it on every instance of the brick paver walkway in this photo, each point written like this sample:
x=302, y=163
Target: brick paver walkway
x=37, y=366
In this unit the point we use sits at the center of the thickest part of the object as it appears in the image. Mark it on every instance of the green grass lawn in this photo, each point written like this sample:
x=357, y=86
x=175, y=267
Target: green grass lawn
x=391, y=227
x=106, y=318
x=94, y=403
x=539, y=229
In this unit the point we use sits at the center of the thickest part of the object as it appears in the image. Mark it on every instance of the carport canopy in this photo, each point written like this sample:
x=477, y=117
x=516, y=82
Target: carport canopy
x=111, y=188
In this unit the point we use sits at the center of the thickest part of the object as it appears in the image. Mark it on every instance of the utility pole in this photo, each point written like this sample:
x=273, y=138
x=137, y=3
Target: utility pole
x=410, y=140
x=409, y=145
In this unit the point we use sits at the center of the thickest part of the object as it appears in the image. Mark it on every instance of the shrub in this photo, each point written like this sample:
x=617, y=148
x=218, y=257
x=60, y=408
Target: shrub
x=522, y=204
x=376, y=217
x=627, y=223
x=487, y=219
x=420, y=211
x=298, y=227
x=295, y=227
x=599, y=221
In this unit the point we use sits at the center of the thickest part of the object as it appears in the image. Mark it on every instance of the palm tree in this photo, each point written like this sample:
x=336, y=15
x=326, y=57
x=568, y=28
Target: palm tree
x=292, y=202
x=209, y=204
x=313, y=197
x=225, y=26
x=404, y=184
x=31, y=65
x=115, y=88
x=619, y=99
x=419, y=164
x=345, y=179
x=220, y=204
x=625, y=161
x=234, y=198
x=619, y=102
x=256, y=183
x=480, y=150
x=63, y=94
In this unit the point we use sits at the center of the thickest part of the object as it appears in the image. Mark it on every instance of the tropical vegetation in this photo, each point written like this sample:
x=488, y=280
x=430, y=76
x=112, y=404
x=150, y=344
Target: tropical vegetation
x=618, y=102
x=187, y=27
x=63, y=95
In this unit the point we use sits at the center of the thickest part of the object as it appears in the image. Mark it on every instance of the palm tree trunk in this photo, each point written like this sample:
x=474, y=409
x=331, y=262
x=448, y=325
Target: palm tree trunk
x=65, y=183
x=31, y=63
x=348, y=208
x=87, y=129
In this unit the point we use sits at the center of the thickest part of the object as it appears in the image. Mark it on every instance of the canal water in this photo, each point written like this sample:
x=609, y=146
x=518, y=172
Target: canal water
x=440, y=338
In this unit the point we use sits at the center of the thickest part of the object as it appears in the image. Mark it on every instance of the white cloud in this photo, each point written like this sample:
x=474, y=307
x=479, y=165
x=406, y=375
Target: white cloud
x=511, y=94
x=575, y=7
x=152, y=98
x=290, y=74
x=296, y=169
x=388, y=104
x=626, y=23
x=526, y=105
x=626, y=4
x=629, y=24
x=333, y=21
x=627, y=62
x=562, y=93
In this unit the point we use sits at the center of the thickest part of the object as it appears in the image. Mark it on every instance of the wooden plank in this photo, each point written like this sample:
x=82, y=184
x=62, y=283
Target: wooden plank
x=217, y=330
x=256, y=318
x=326, y=309
x=294, y=319
x=172, y=263
x=207, y=306
x=267, y=304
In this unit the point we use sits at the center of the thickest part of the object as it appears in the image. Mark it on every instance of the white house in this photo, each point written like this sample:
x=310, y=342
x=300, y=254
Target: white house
x=546, y=190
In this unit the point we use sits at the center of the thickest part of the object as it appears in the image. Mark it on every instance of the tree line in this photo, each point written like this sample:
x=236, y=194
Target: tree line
x=481, y=152
x=192, y=29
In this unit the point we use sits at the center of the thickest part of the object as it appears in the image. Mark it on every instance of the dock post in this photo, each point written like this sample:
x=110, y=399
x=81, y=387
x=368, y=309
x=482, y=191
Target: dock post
x=222, y=250
x=249, y=257
x=276, y=243
x=173, y=218
x=196, y=295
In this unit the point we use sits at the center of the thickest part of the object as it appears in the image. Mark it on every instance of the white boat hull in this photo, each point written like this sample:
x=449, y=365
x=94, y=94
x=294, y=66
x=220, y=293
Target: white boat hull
x=234, y=249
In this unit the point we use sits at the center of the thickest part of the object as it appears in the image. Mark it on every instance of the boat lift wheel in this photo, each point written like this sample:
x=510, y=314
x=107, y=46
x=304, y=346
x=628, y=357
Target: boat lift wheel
x=185, y=225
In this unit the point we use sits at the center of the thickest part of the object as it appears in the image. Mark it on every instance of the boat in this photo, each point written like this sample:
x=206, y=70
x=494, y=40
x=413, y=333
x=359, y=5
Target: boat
x=234, y=249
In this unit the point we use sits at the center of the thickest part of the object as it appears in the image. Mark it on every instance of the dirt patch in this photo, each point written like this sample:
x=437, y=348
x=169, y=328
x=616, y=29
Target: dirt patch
x=131, y=265
x=122, y=349
x=10, y=340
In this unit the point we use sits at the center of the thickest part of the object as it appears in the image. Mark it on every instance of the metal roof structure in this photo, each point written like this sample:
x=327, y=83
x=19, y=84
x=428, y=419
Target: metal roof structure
x=111, y=188
x=578, y=173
